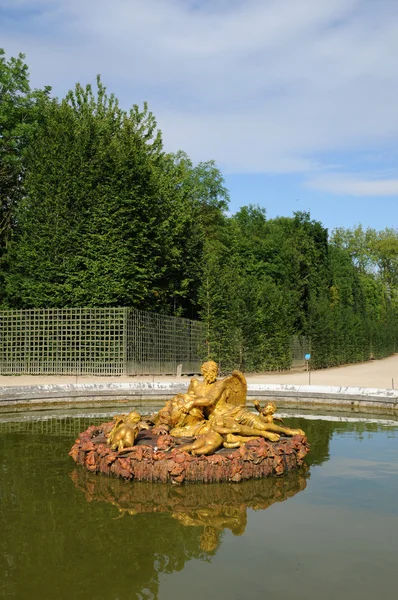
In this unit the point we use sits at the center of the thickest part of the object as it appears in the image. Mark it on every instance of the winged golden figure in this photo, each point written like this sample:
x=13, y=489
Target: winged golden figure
x=214, y=412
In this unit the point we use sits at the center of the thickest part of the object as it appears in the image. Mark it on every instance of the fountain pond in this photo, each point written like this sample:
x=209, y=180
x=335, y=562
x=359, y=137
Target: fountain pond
x=329, y=530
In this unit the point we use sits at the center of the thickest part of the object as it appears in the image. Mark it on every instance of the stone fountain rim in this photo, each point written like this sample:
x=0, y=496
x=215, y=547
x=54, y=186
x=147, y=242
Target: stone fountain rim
x=147, y=393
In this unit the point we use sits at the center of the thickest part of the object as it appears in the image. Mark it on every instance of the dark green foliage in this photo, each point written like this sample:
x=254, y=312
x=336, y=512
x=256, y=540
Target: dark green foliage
x=248, y=295
x=93, y=212
x=108, y=218
x=266, y=281
x=356, y=320
x=18, y=116
x=90, y=181
x=15, y=108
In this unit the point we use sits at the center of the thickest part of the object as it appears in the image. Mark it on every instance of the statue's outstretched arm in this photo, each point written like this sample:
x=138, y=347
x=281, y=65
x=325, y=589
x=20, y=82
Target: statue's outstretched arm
x=285, y=430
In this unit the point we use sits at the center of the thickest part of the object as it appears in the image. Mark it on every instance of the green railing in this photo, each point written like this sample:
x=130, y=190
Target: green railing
x=98, y=341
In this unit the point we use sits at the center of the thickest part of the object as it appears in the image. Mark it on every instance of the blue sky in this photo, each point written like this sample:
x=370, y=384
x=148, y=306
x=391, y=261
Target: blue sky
x=296, y=100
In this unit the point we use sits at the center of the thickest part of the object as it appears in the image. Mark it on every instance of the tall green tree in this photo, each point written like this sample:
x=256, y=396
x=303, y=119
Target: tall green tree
x=93, y=212
x=373, y=252
x=246, y=301
x=107, y=218
x=14, y=115
x=200, y=199
x=17, y=118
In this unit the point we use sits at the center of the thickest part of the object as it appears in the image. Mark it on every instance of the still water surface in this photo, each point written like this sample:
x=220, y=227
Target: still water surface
x=330, y=531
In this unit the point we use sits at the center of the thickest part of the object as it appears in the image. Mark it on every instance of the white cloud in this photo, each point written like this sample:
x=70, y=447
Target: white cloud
x=354, y=186
x=258, y=85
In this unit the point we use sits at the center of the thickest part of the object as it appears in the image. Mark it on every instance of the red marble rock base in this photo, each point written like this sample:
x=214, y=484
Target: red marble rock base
x=157, y=458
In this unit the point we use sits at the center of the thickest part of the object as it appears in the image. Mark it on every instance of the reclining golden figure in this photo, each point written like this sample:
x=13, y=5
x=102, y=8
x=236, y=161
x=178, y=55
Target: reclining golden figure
x=226, y=420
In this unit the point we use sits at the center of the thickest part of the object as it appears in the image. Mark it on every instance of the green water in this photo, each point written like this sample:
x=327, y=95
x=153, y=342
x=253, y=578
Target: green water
x=328, y=532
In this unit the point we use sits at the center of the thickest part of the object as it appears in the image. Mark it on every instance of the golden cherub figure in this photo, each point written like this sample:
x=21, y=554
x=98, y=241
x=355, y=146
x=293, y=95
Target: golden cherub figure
x=267, y=411
x=125, y=430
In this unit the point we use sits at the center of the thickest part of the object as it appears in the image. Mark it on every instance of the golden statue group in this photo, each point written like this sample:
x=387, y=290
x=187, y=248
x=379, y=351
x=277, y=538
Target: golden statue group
x=213, y=413
x=206, y=435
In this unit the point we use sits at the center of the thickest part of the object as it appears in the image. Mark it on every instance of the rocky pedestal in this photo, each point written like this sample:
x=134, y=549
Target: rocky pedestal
x=158, y=458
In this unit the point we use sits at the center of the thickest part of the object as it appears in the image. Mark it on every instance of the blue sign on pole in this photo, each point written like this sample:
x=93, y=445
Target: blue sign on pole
x=307, y=356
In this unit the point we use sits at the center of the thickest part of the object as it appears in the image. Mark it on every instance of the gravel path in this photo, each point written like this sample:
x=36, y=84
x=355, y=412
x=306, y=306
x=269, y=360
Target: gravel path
x=373, y=374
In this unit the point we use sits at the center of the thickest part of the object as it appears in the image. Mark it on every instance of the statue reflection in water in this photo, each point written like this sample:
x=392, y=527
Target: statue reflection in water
x=214, y=521
x=210, y=508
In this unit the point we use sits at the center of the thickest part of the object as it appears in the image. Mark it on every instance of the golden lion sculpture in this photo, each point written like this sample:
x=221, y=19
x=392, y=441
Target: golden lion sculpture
x=125, y=430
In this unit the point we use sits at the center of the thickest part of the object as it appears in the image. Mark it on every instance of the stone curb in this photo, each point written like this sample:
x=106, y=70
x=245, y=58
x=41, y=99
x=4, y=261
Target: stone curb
x=151, y=392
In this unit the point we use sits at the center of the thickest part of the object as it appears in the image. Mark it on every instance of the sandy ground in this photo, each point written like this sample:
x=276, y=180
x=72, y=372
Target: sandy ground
x=373, y=374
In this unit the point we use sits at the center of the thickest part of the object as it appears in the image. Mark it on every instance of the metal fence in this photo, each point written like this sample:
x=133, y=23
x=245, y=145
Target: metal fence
x=299, y=346
x=98, y=341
